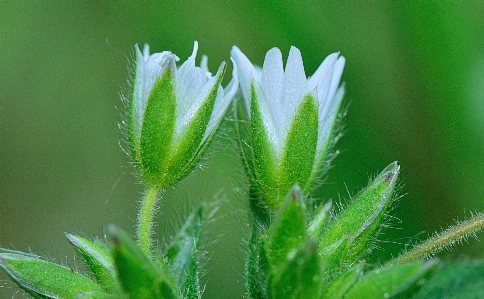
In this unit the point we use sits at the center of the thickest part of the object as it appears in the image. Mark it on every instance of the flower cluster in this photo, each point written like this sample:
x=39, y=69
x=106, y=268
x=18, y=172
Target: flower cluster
x=175, y=112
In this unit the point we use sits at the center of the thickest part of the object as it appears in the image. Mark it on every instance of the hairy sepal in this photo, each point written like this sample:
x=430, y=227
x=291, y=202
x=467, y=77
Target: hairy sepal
x=98, y=258
x=138, y=276
x=157, y=130
x=300, y=148
x=363, y=216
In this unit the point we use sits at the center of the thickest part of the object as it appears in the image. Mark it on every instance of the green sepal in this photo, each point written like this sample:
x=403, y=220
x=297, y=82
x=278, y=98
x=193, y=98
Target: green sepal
x=394, y=281
x=319, y=221
x=289, y=231
x=300, y=147
x=133, y=135
x=98, y=258
x=43, y=279
x=329, y=139
x=139, y=277
x=182, y=256
x=263, y=172
x=364, y=214
x=157, y=130
x=243, y=131
x=301, y=275
x=257, y=268
x=190, y=149
x=343, y=282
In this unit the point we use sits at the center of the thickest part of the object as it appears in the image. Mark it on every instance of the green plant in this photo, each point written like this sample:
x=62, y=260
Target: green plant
x=299, y=247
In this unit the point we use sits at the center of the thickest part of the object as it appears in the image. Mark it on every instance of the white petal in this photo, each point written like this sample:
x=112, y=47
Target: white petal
x=270, y=95
x=224, y=98
x=231, y=89
x=319, y=83
x=146, y=51
x=334, y=81
x=295, y=86
x=336, y=77
x=327, y=121
x=247, y=73
x=272, y=79
x=204, y=66
x=190, y=81
x=268, y=111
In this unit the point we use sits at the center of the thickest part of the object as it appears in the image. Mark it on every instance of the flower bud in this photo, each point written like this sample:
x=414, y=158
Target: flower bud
x=173, y=114
x=291, y=119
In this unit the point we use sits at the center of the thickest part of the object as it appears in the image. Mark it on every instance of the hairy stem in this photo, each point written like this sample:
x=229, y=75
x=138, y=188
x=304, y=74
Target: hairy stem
x=145, y=219
x=442, y=240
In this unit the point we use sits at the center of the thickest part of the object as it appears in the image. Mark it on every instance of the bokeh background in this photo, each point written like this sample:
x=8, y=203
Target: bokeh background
x=415, y=93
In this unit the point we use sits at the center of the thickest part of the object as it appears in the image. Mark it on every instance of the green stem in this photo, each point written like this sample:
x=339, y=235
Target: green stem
x=442, y=240
x=145, y=219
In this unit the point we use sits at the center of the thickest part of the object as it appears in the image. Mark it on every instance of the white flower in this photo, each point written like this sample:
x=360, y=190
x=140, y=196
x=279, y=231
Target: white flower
x=280, y=94
x=173, y=113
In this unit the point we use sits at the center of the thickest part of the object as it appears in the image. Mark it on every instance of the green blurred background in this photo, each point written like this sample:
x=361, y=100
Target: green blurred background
x=415, y=93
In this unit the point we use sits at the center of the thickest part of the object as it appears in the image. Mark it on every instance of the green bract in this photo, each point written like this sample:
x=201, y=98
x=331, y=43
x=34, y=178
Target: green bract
x=291, y=120
x=173, y=114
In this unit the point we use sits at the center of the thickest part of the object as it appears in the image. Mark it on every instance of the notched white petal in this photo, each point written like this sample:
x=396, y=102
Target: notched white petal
x=327, y=121
x=146, y=52
x=336, y=76
x=204, y=66
x=320, y=83
x=272, y=78
x=247, y=73
x=295, y=85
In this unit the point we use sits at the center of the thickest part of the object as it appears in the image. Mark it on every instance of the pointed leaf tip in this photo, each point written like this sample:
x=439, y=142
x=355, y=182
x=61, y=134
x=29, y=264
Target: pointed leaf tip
x=98, y=258
x=364, y=214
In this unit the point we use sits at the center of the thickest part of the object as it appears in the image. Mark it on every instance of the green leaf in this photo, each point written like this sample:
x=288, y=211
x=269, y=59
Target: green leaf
x=300, y=148
x=301, y=276
x=99, y=259
x=182, y=256
x=460, y=280
x=392, y=281
x=158, y=129
x=363, y=216
x=343, y=282
x=289, y=231
x=139, y=277
x=190, y=149
x=263, y=168
x=43, y=279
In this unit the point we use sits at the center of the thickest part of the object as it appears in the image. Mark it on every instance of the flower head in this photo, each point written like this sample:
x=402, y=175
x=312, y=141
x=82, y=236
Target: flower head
x=291, y=119
x=173, y=114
